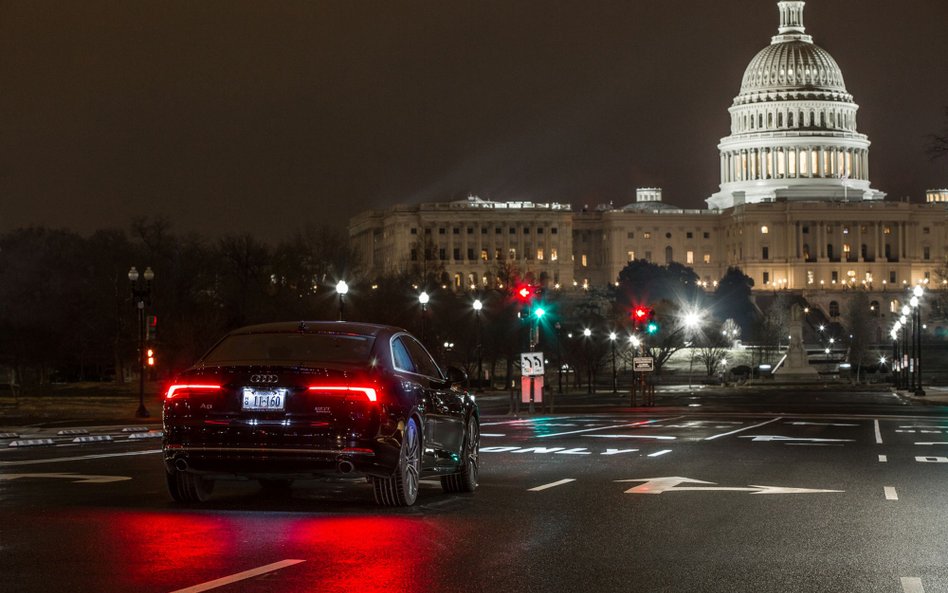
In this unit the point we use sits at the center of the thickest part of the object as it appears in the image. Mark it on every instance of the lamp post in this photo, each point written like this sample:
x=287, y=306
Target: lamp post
x=896, y=355
x=612, y=340
x=904, y=365
x=692, y=321
x=478, y=305
x=423, y=299
x=916, y=302
x=342, y=289
x=586, y=334
x=909, y=348
x=141, y=294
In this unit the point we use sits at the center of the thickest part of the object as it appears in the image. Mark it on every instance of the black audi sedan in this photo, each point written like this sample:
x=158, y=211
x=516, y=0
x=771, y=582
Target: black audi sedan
x=298, y=400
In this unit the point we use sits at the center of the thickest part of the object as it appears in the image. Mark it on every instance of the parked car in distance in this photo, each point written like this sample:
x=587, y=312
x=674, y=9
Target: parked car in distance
x=298, y=400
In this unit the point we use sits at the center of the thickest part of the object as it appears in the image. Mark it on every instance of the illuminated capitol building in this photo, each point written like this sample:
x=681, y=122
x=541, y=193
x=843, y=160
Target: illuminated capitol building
x=795, y=210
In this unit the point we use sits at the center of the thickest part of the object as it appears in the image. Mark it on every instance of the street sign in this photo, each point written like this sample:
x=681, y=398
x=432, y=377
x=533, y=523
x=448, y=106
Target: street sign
x=643, y=364
x=531, y=364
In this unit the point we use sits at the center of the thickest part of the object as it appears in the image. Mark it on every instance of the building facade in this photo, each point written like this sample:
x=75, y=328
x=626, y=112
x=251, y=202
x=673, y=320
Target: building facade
x=795, y=209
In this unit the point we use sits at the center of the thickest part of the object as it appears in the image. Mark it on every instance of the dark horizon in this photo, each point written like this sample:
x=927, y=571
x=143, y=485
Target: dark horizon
x=241, y=117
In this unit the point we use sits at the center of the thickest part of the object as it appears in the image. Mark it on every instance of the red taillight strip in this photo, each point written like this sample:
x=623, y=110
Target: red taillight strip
x=174, y=388
x=369, y=392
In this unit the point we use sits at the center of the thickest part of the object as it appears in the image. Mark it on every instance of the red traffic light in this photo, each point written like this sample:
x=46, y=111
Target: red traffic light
x=525, y=292
x=640, y=314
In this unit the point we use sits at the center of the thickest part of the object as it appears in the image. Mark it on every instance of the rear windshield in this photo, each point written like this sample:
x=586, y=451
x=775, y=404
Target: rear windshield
x=292, y=348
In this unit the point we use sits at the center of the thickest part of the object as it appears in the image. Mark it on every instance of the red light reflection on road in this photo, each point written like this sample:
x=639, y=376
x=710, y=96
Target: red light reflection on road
x=367, y=554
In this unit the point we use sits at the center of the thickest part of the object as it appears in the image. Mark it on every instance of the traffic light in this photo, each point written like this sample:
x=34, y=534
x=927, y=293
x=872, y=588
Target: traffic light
x=150, y=357
x=640, y=315
x=652, y=327
x=539, y=312
x=525, y=293
x=151, y=327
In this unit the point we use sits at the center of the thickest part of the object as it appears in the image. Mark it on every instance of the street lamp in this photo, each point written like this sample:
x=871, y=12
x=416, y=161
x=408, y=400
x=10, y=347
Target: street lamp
x=917, y=294
x=612, y=340
x=141, y=294
x=909, y=342
x=478, y=305
x=342, y=288
x=423, y=299
x=692, y=321
x=586, y=334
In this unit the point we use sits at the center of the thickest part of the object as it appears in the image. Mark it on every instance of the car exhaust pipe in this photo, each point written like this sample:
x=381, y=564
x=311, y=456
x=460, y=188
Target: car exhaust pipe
x=344, y=466
x=181, y=464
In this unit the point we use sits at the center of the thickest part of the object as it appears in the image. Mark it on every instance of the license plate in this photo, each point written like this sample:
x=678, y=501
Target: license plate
x=266, y=400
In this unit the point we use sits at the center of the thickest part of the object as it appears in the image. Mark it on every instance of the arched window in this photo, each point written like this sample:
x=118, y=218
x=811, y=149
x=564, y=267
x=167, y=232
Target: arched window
x=780, y=120
x=790, y=120
x=834, y=309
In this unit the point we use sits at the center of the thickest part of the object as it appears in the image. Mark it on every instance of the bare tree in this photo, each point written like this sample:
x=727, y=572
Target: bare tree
x=938, y=143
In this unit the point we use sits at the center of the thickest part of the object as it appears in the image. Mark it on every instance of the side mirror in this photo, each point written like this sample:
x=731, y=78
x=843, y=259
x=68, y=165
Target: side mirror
x=457, y=377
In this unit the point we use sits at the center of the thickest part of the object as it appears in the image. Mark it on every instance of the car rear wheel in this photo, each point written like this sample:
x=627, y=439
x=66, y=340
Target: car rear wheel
x=466, y=479
x=401, y=489
x=188, y=487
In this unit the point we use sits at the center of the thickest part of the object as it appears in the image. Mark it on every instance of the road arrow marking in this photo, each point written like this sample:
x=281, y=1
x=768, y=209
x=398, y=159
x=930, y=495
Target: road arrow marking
x=76, y=478
x=766, y=438
x=671, y=484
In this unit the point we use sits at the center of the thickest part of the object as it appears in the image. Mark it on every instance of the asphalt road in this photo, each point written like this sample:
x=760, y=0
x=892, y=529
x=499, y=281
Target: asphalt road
x=805, y=492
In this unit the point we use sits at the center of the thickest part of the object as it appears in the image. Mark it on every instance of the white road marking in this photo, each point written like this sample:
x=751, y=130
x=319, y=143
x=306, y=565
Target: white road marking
x=659, y=453
x=724, y=434
x=813, y=444
x=76, y=478
x=617, y=451
x=878, y=433
x=240, y=576
x=78, y=458
x=935, y=443
x=932, y=459
x=630, y=436
x=552, y=485
x=524, y=421
x=671, y=484
x=641, y=423
x=912, y=585
x=883, y=459
x=817, y=424
x=492, y=434
x=890, y=493
x=767, y=438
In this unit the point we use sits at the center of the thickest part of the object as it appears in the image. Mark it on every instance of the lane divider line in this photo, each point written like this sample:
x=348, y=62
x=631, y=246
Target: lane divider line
x=724, y=434
x=658, y=453
x=912, y=585
x=883, y=458
x=240, y=576
x=878, y=432
x=550, y=485
x=890, y=493
x=78, y=458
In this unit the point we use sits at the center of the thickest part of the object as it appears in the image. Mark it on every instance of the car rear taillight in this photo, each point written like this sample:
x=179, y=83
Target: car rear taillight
x=370, y=393
x=185, y=391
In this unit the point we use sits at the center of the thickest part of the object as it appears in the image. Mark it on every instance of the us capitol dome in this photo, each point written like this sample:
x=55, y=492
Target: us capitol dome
x=793, y=127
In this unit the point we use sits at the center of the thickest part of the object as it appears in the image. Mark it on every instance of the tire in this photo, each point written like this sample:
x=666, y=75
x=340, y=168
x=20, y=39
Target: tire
x=401, y=489
x=188, y=487
x=466, y=479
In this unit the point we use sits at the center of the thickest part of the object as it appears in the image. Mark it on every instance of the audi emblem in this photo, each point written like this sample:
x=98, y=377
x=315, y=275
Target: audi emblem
x=264, y=378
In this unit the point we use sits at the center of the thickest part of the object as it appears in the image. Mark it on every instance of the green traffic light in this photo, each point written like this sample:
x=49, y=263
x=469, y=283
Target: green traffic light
x=539, y=312
x=651, y=328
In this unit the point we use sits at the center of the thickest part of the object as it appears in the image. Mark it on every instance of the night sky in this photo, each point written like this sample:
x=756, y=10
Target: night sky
x=264, y=116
